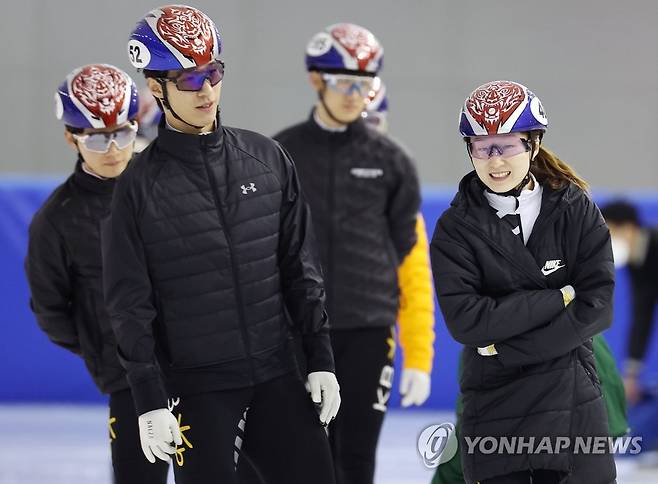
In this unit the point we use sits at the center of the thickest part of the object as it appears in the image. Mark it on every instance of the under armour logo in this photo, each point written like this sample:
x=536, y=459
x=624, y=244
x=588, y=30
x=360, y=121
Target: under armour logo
x=551, y=266
x=248, y=188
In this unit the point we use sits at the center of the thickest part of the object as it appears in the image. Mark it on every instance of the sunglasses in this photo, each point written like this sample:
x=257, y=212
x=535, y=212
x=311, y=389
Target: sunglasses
x=100, y=142
x=346, y=84
x=485, y=149
x=193, y=80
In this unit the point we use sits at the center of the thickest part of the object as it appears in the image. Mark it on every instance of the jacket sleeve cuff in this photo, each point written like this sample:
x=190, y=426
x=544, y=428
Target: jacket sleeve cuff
x=319, y=355
x=148, y=395
x=421, y=364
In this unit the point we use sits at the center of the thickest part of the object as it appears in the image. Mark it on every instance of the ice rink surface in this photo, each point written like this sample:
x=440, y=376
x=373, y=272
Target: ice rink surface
x=67, y=444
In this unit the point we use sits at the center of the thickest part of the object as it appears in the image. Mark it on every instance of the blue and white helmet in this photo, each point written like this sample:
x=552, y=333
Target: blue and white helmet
x=501, y=107
x=345, y=47
x=378, y=98
x=174, y=37
x=96, y=96
x=375, y=114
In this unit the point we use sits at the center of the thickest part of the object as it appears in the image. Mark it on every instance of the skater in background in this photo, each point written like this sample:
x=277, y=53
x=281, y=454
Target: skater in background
x=635, y=246
x=210, y=259
x=97, y=104
x=523, y=270
x=148, y=119
x=416, y=308
x=364, y=197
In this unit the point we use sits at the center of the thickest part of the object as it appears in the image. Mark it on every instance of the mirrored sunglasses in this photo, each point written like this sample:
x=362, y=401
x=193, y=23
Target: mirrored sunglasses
x=100, y=142
x=193, y=80
x=347, y=84
x=484, y=149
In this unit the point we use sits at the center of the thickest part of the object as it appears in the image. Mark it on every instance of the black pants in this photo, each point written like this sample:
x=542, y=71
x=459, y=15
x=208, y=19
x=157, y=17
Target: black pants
x=364, y=369
x=128, y=460
x=282, y=443
x=528, y=477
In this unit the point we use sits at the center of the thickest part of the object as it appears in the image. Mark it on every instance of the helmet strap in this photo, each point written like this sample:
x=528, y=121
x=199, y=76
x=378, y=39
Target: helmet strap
x=514, y=192
x=326, y=108
x=167, y=104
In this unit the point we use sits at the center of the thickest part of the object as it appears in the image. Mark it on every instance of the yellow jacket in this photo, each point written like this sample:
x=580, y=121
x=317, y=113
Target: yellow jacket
x=416, y=313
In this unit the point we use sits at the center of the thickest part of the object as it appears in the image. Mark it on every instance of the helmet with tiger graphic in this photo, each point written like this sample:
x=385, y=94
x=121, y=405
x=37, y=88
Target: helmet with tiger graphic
x=501, y=107
x=96, y=96
x=345, y=48
x=174, y=37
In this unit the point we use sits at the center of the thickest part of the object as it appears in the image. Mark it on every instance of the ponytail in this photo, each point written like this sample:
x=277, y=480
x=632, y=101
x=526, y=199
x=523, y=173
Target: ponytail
x=549, y=169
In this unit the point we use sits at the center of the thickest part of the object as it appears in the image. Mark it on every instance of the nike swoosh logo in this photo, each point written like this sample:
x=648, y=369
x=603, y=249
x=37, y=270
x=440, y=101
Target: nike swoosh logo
x=550, y=271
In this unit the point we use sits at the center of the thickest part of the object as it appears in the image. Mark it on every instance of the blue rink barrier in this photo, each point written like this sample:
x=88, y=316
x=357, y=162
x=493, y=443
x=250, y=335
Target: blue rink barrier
x=35, y=370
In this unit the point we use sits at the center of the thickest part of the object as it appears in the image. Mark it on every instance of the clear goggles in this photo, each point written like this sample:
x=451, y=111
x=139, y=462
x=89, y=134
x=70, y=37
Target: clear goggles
x=503, y=146
x=100, y=142
x=347, y=84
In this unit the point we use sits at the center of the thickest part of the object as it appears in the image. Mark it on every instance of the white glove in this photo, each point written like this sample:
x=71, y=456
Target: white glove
x=326, y=393
x=414, y=387
x=157, y=429
x=488, y=350
x=568, y=295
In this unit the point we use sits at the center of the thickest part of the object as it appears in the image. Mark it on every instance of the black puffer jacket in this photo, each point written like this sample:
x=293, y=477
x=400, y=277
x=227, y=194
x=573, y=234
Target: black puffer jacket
x=364, y=196
x=63, y=268
x=209, y=256
x=493, y=289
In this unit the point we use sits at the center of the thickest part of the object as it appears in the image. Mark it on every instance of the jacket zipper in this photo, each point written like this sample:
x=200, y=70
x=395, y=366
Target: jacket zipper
x=542, y=222
x=502, y=252
x=534, y=234
x=332, y=201
x=236, y=281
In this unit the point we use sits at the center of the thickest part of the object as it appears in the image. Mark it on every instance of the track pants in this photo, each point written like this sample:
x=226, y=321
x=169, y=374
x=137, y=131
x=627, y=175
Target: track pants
x=364, y=369
x=128, y=461
x=282, y=442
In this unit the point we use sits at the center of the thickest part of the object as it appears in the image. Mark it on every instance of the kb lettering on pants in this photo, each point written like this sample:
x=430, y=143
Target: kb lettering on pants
x=384, y=389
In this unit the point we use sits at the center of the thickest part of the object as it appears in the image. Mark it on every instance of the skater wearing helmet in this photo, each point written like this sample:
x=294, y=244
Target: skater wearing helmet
x=416, y=308
x=523, y=271
x=98, y=105
x=364, y=195
x=209, y=259
x=376, y=111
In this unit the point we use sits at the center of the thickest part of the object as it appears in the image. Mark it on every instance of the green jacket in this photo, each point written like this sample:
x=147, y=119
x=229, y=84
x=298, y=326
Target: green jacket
x=613, y=394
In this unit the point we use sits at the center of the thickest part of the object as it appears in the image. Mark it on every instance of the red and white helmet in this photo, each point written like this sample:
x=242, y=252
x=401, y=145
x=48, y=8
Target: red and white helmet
x=501, y=107
x=345, y=48
x=96, y=96
x=174, y=37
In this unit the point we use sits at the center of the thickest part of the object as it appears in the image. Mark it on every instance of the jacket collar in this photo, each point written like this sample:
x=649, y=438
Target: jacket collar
x=91, y=182
x=189, y=147
x=473, y=210
x=470, y=199
x=355, y=129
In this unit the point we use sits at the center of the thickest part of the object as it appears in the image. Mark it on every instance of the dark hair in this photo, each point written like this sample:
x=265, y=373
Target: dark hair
x=154, y=74
x=620, y=212
x=73, y=129
x=550, y=169
x=349, y=72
